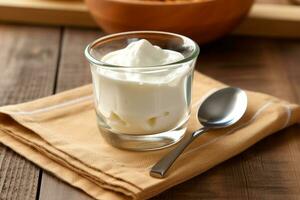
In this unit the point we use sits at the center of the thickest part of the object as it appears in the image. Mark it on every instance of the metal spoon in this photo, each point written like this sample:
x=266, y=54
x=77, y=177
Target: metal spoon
x=221, y=109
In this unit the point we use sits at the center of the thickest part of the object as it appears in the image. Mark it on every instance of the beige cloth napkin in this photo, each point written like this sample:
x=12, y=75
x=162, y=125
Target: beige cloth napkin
x=59, y=133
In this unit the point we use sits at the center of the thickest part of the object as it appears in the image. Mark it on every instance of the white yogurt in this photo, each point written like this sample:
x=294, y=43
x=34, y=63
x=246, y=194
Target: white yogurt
x=142, y=53
x=142, y=103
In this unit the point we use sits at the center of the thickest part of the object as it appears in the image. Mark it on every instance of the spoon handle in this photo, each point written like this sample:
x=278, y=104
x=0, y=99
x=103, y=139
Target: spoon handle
x=161, y=167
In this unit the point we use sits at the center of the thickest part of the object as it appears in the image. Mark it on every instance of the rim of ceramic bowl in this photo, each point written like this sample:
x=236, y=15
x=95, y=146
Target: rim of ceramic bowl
x=93, y=60
x=157, y=2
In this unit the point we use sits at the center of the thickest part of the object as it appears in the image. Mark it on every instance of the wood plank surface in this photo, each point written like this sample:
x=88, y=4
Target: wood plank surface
x=74, y=71
x=27, y=65
x=268, y=170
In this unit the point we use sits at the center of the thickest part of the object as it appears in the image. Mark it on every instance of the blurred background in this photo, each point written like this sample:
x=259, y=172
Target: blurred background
x=203, y=20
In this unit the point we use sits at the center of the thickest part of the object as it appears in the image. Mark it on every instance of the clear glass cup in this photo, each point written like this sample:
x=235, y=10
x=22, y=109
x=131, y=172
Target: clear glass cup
x=142, y=107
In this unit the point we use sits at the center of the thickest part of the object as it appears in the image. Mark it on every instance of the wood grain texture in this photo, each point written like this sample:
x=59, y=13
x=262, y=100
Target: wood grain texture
x=27, y=65
x=73, y=71
x=268, y=170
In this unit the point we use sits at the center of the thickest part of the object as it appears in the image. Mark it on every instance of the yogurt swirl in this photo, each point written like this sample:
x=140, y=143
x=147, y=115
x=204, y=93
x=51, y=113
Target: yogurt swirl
x=143, y=103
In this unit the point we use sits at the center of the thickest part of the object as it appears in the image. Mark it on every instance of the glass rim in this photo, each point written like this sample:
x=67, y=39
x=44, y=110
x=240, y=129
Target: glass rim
x=93, y=60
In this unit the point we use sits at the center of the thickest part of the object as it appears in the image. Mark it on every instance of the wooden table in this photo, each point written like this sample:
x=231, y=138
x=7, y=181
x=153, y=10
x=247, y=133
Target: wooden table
x=40, y=61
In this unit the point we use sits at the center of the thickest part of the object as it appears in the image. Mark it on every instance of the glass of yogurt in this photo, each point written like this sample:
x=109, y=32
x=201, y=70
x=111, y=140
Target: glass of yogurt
x=142, y=87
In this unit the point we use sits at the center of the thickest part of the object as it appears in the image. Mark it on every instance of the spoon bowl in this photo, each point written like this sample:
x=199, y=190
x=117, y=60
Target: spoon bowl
x=221, y=109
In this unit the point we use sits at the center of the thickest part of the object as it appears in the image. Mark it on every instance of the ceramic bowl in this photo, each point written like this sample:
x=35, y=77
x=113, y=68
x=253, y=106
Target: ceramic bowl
x=202, y=20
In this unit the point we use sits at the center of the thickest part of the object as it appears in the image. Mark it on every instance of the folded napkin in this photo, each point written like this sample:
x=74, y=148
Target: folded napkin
x=59, y=133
